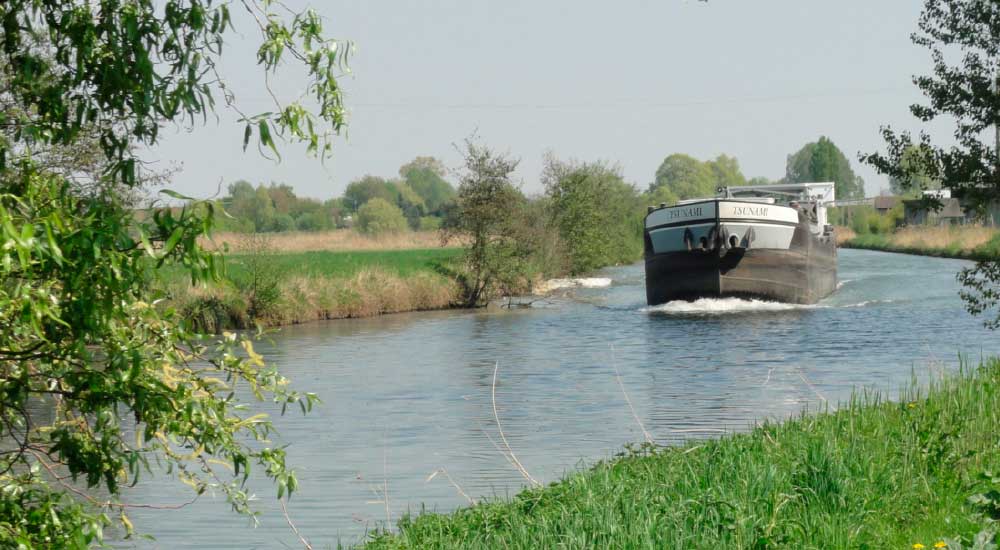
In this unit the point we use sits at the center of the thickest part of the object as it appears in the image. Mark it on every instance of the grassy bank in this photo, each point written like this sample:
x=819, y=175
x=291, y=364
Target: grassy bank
x=966, y=242
x=278, y=288
x=875, y=474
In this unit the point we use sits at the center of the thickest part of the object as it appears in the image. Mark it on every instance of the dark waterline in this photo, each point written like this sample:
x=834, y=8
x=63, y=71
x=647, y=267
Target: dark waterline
x=408, y=395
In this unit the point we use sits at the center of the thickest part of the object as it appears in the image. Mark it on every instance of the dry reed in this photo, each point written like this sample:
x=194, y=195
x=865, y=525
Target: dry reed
x=336, y=240
x=844, y=234
x=965, y=237
x=962, y=240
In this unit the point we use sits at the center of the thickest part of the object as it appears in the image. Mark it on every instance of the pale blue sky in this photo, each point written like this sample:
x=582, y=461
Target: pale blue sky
x=628, y=82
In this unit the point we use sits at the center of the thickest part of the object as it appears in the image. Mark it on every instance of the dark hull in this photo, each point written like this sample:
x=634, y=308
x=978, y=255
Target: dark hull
x=803, y=274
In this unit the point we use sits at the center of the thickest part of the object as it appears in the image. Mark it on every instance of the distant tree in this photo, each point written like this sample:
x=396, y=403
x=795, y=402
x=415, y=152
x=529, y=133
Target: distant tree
x=760, y=180
x=429, y=184
x=916, y=180
x=486, y=214
x=380, y=217
x=431, y=164
x=262, y=209
x=313, y=221
x=282, y=197
x=281, y=222
x=334, y=208
x=823, y=161
x=366, y=188
x=597, y=214
x=726, y=172
x=963, y=37
x=240, y=199
x=686, y=177
x=409, y=202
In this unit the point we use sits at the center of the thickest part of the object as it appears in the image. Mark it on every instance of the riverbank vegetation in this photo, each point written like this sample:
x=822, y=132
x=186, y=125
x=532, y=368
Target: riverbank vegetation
x=98, y=386
x=874, y=474
x=962, y=241
x=265, y=287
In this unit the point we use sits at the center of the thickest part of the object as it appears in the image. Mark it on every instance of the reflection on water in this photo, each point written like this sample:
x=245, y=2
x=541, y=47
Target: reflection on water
x=408, y=395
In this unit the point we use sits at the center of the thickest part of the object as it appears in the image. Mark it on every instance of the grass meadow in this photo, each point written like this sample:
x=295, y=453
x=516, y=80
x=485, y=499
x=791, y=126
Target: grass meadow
x=874, y=474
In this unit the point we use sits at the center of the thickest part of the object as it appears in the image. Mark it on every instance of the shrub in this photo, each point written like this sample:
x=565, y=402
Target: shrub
x=378, y=216
x=282, y=222
x=430, y=223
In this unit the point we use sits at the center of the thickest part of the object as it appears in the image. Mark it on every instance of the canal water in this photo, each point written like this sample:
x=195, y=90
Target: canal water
x=408, y=410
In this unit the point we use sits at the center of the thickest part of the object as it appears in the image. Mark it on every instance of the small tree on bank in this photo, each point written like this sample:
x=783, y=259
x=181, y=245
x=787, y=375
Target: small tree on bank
x=485, y=214
x=963, y=37
x=597, y=214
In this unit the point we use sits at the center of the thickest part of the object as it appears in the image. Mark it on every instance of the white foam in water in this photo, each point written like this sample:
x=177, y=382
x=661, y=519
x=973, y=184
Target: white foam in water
x=721, y=306
x=583, y=282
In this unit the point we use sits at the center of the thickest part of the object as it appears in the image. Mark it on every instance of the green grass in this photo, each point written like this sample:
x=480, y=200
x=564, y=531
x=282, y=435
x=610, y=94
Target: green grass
x=876, y=474
x=340, y=264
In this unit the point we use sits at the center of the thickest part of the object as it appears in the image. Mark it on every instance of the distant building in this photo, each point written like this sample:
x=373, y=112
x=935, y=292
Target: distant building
x=885, y=203
x=915, y=212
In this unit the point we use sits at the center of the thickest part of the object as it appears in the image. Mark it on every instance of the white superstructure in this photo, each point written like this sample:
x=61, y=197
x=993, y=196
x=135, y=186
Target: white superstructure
x=742, y=217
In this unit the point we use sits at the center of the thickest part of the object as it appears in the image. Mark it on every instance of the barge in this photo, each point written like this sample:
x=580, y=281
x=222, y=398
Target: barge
x=769, y=242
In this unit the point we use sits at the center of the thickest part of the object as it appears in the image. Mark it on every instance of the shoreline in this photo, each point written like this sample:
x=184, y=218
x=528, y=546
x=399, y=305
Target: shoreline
x=875, y=473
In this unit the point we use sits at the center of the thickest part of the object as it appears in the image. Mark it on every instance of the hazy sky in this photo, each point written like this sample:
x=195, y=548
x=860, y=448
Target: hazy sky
x=628, y=82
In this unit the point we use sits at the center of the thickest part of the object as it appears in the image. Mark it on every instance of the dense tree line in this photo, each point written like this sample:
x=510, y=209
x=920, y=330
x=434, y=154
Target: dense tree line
x=681, y=177
x=418, y=197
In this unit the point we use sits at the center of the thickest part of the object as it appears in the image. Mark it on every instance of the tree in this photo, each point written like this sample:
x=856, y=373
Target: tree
x=760, y=180
x=823, y=161
x=430, y=164
x=686, y=177
x=598, y=215
x=916, y=181
x=963, y=37
x=429, y=184
x=367, y=188
x=726, y=172
x=85, y=352
x=486, y=214
x=409, y=202
x=262, y=210
x=380, y=217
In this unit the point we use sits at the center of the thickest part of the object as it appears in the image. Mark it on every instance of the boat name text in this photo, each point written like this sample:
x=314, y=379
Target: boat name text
x=750, y=211
x=685, y=212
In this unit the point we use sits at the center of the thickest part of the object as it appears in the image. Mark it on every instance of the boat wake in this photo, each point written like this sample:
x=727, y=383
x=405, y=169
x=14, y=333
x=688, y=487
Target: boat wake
x=583, y=282
x=720, y=306
x=724, y=306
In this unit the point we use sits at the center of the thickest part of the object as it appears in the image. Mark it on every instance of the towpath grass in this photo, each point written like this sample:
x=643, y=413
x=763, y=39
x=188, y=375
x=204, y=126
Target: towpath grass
x=873, y=475
x=965, y=242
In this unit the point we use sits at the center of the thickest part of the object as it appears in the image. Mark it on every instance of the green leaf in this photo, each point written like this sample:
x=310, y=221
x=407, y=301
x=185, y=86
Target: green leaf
x=265, y=137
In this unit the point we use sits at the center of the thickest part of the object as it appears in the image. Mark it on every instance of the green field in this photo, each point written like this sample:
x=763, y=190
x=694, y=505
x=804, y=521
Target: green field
x=874, y=475
x=339, y=264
